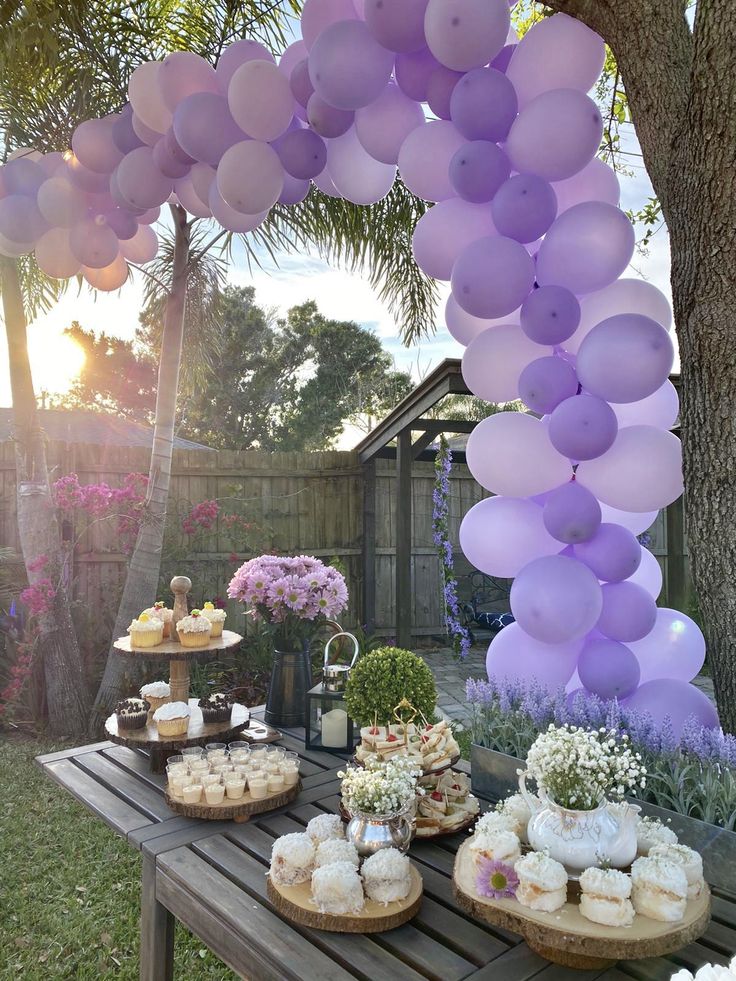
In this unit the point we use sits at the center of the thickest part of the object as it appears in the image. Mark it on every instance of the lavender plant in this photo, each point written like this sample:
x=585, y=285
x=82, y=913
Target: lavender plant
x=693, y=775
x=458, y=633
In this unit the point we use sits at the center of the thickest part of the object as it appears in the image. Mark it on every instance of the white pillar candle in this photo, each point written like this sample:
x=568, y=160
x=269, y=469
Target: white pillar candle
x=335, y=728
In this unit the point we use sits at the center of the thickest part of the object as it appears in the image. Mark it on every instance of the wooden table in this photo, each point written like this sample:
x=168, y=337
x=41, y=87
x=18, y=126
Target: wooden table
x=211, y=877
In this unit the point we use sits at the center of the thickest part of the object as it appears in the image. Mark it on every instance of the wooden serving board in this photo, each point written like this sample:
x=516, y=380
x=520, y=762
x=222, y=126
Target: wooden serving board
x=232, y=810
x=568, y=938
x=295, y=903
x=172, y=650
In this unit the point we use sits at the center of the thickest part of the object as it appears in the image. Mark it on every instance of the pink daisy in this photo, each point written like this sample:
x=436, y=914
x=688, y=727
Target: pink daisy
x=496, y=880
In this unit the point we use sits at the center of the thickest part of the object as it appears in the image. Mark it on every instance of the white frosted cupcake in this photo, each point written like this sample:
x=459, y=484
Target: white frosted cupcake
x=690, y=861
x=542, y=882
x=495, y=821
x=325, y=826
x=156, y=693
x=292, y=859
x=387, y=876
x=516, y=808
x=216, y=618
x=659, y=889
x=604, y=897
x=336, y=850
x=650, y=832
x=161, y=612
x=499, y=845
x=194, y=630
x=146, y=631
x=337, y=889
x=172, y=719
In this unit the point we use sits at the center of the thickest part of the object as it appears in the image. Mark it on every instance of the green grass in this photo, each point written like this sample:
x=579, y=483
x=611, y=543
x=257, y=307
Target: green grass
x=69, y=887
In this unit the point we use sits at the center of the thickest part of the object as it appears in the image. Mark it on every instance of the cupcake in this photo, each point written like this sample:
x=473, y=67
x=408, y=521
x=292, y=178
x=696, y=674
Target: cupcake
x=216, y=707
x=156, y=694
x=146, y=631
x=292, y=859
x=659, y=889
x=337, y=889
x=172, y=719
x=604, y=897
x=516, y=808
x=651, y=832
x=336, y=850
x=690, y=861
x=325, y=826
x=499, y=845
x=131, y=713
x=161, y=612
x=542, y=882
x=194, y=630
x=216, y=618
x=495, y=821
x=387, y=876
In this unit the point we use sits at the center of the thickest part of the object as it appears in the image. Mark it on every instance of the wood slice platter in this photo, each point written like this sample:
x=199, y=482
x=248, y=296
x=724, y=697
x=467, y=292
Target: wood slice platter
x=233, y=810
x=568, y=938
x=295, y=903
x=172, y=650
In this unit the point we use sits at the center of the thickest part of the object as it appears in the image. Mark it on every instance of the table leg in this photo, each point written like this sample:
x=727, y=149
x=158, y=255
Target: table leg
x=157, y=930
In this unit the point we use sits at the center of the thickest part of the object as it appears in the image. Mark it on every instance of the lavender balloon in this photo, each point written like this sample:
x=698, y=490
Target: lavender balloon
x=294, y=190
x=240, y=52
x=123, y=135
x=608, y=669
x=613, y=553
x=228, y=217
x=23, y=176
x=659, y=409
x=302, y=153
x=492, y=277
x=494, y=361
x=250, y=177
x=204, y=127
x=300, y=83
x=424, y=159
x=383, y=126
x=443, y=232
x=461, y=325
x=141, y=182
x=674, y=648
x=676, y=701
x=636, y=521
x=20, y=219
x=546, y=382
x=583, y=427
x=182, y=73
x=625, y=358
x=142, y=247
x=413, y=72
x=623, y=296
x=317, y=15
x=515, y=656
x=333, y=65
x=54, y=255
x=94, y=146
x=61, y=203
x=649, y=574
x=550, y=314
x=595, y=182
x=93, y=242
x=440, y=87
x=629, y=612
x=483, y=105
x=524, y=207
x=477, y=171
x=500, y=535
x=169, y=165
x=326, y=120
x=556, y=599
x=398, y=27
x=355, y=173
x=571, y=514
x=465, y=34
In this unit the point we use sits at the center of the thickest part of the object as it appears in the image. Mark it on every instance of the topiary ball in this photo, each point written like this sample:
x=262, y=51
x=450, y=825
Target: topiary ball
x=382, y=678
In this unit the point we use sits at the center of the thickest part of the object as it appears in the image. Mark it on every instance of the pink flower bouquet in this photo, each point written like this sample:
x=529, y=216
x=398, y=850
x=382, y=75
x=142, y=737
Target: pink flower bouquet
x=291, y=595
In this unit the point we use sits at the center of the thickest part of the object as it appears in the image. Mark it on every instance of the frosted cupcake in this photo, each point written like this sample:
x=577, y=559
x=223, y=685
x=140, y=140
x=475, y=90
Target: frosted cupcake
x=651, y=832
x=387, y=876
x=688, y=859
x=605, y=897
x=216, y=707
x=172, y=719
x=131, y=713
x=146, y=631
x=194, y=630
x=542, y=882
x=659, y=889
x=292, y=859
x=216, y=618
x=325, y=826
x=337, y=889
x=336, y=850
x=157, y=693
x=161, y=612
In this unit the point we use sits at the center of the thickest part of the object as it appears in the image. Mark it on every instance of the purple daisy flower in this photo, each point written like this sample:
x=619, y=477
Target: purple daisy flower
x=496, y=880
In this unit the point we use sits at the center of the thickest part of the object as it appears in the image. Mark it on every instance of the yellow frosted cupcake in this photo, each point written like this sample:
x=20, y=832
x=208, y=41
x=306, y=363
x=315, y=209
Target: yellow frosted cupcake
x=216, y=618
x=172, y=719
x=146, y=631
x=194, y=630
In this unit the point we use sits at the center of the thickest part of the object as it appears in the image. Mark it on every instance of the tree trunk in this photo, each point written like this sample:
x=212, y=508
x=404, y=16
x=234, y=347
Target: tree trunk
x=681, y=87
x=141, y=583
x=38, y=530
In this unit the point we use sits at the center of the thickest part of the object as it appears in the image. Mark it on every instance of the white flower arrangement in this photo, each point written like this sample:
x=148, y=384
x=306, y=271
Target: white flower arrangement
x=708, y=972
x=578, y=768
x=381, y=787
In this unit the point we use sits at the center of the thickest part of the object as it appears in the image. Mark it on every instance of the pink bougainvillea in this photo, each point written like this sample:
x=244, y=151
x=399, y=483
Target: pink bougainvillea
x=202, y=517
x=38, y=598
x=125, y=503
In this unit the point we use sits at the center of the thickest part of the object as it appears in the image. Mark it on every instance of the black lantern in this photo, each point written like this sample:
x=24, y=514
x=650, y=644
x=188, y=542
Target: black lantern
x=329, y=726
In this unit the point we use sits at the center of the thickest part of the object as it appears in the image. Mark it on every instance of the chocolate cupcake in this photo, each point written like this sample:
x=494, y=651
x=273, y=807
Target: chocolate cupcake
x=216, y=707
x=132, y=713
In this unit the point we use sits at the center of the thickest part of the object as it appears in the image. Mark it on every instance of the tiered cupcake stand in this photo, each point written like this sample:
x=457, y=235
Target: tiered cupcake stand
x=179, y=657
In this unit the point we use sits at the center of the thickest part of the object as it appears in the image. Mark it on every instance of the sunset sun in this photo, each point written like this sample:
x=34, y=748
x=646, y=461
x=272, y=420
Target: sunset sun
x=56, y=361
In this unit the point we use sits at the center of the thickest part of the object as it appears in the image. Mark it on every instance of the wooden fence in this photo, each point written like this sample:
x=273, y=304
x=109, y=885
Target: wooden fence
x=299, y=503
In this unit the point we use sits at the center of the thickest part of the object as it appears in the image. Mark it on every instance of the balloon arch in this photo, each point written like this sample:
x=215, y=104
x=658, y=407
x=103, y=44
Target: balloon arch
x=526, y=227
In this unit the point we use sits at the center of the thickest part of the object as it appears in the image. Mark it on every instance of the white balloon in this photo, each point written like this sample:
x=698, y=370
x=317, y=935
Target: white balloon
x=142, y=247
x=146, y=98
x=54, y=256
x=109, y=278
x=494, y=360
x=355, y=173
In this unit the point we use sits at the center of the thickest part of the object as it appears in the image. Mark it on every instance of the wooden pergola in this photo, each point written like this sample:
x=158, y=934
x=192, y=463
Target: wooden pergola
x=412, y=432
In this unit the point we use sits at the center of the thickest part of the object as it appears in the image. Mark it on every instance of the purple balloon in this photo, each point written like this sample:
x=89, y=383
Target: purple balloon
x=483, y=105
x=317, y=15
x=608, y=669
x=300, y=82
x=613, y=553
x=675, y=700
x=23, y=176
x=571, y=514
x=503, y=59
x=477, y=171
x=333, y=61
x=629, y=612
x=326, y=120
x=516, y=656
x=20, y=219
x=175, y=148
x=440, y=87
x=94, y=146
x=424, y=159
x=204, y=127
x=492, y=277
x=397, y=26
x=122, y=222
x=140, y=181
x=465, y=34
x=413, y=72
x=383, y=126
x=302, y=153
x=583, y=427
x=294, y=190
x=237, y=54
x=649, y=574
x=556, y=599
x=625, y=358
x=442, y=233
x=167, y=163
x=673, y=648
x=546, y=382
x=500, y=535
x=93, y=242
x=550, y=314
x=124, y=136
x=524, y=207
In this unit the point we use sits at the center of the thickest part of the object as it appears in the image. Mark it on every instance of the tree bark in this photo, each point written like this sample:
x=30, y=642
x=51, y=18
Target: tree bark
x=681, y=87
x=141, y=583
x=66, y=694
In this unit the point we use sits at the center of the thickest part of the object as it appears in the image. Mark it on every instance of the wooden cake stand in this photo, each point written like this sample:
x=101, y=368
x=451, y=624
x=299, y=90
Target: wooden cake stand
x=239, y=811
x=295, y=903
x=568, y=938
